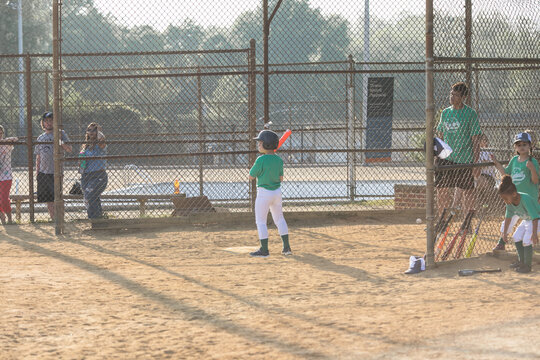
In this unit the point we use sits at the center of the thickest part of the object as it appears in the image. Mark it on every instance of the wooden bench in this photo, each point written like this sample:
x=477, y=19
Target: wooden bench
x=141, y=199
x=187, y=206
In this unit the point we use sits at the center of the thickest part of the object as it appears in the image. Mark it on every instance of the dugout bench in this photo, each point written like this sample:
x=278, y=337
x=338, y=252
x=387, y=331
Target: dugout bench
x=182, y=205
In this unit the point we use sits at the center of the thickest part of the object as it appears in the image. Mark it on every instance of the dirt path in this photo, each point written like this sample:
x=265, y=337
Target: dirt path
x=196, y=294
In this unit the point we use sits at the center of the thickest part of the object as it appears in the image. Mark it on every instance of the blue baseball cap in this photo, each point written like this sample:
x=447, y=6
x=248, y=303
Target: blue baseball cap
x=522, y=137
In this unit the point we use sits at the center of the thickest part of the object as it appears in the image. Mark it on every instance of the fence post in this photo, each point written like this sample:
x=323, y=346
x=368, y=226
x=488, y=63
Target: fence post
x=201, y=126
x=430, y=114
x=468, y=42
x=351, y=155
x=289, y=115
x=252, y=116
x=266, y=91
x=302, y=144
x=233, y=143
x=47, y=90
x=266, y=34
x=28, y=70
x=57, y=122
x=477, y=92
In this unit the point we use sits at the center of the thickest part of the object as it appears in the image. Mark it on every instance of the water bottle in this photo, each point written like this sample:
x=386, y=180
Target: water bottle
x=83, y=163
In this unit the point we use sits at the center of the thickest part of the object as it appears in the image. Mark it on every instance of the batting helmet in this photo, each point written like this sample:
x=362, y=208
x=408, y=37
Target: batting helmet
x=47, y=115
x=270, y=139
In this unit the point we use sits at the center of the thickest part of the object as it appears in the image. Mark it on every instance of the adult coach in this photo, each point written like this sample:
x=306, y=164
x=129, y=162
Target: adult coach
x=94, y=178
x=45, y=162
x=460, y=129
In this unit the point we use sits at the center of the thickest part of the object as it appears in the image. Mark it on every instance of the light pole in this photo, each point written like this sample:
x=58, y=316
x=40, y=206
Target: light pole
x=18, y=6
x=365, y=77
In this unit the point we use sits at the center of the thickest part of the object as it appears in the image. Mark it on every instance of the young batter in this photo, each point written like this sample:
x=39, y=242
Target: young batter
x=525, y=174
x=526, y=208
x=268, y=170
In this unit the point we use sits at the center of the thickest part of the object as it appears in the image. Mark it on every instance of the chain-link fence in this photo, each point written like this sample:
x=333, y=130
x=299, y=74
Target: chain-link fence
x=161, y=126
x=28, y=94
x=495, y=53
x=179, y=95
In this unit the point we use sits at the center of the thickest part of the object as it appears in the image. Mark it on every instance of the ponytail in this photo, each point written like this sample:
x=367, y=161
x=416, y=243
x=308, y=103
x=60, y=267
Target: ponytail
x=507, y=186
x=533, y=142
x=88, y=143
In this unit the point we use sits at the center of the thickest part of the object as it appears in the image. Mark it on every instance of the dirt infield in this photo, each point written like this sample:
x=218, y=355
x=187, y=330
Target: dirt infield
x=195, y=294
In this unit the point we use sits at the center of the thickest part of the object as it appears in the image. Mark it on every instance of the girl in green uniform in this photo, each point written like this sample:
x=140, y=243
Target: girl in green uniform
x=524, y=171
x=526, y=208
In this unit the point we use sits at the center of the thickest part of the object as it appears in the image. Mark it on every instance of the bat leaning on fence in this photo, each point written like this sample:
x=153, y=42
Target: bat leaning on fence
x=468, y=272
x=470, y=248
x=440, y=222
x=446, y=228
x=461, y=243
x=462, y=231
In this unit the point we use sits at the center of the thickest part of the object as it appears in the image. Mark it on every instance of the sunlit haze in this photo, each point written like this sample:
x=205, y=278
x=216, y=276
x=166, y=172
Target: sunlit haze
x=160, y=13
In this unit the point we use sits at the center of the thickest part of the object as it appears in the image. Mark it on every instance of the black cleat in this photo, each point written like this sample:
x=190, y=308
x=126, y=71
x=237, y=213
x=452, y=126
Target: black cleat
x=260, y=253
x=523, y=269
x=286, y=251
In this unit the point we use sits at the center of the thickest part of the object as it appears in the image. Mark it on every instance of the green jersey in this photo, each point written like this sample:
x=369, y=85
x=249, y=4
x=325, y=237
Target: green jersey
x=268, y=169
x=458, y=128
x=521, y=176
x=527, y=209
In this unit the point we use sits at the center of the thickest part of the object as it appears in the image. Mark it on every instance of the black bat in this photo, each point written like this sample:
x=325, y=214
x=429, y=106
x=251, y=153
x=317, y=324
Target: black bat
x=467, y=272
x=440, y=224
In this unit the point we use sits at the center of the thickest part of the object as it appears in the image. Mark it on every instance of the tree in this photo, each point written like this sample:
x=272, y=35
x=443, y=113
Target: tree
x=187, y=36
x=36, y=26
x=85, y=29
x=298, y=33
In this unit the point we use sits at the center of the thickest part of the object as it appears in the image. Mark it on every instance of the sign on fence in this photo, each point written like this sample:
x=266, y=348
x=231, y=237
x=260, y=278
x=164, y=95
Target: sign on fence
x=380, y=102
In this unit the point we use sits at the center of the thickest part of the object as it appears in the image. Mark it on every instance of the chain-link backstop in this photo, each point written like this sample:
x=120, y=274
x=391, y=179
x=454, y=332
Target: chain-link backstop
x=180, y=100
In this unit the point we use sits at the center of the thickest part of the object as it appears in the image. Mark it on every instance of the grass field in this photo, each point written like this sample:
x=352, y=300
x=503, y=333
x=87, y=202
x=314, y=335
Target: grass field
x=193, y=292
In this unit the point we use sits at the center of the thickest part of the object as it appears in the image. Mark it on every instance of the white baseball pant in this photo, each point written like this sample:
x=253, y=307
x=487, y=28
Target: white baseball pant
x=269, y=200
x=524, y=233
x=513, y=223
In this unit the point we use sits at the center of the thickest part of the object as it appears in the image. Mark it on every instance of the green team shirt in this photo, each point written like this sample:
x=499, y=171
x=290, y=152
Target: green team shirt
x=267, y=169
x=458, y=128
x=521, y=176
x=527, y=209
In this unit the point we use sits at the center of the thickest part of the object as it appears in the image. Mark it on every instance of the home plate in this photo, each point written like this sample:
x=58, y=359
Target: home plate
x=240, y=249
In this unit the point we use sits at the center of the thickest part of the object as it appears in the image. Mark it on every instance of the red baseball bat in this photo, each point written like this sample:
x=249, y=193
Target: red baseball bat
x=461, y=231
x=284, y=137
